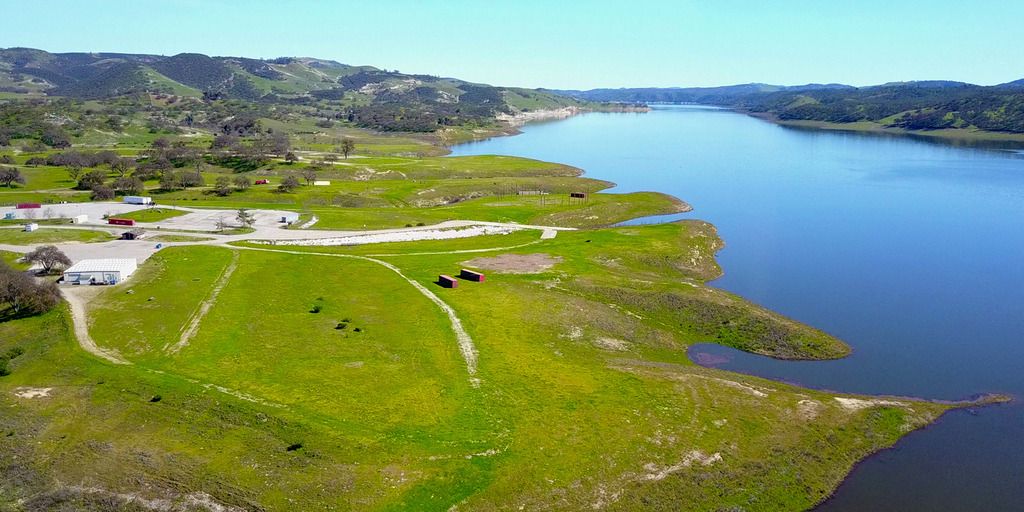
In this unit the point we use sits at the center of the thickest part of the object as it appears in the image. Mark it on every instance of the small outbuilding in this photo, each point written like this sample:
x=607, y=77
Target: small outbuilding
x=447, y=281
x=79, y=219
x=134, y=234
x=289, y=217
x=100, y=271
x=31, y=226
x=470, y=275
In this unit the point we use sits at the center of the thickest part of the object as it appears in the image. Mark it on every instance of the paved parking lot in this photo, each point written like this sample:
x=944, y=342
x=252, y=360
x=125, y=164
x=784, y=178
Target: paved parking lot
x=195, y=220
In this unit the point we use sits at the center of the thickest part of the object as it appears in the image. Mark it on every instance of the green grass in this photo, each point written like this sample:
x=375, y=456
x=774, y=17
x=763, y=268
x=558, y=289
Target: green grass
x=387, y=417
x=155, y=214
x=12, y=260
x=46, y=235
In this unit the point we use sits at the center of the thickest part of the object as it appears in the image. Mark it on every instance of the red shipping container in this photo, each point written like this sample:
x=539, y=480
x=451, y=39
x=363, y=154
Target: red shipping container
x=28, y=205
x=121, y=222
x=469, y=275
x=447, y=281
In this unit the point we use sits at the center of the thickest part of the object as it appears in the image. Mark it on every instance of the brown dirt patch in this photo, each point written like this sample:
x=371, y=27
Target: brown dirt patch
x=515, y=263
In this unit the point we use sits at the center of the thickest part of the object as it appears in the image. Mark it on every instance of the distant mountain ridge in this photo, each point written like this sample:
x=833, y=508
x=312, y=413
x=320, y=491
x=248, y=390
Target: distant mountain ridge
x=384, y=99
x=915, y=105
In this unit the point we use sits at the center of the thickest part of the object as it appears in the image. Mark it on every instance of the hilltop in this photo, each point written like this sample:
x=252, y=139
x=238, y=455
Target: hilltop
x=368, y=96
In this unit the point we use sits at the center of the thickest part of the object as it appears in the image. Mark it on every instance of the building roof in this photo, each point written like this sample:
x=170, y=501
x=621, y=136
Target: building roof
x=104, y=265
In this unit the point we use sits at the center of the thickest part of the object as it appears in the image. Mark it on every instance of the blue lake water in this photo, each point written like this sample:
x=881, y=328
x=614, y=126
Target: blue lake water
x=910, y=251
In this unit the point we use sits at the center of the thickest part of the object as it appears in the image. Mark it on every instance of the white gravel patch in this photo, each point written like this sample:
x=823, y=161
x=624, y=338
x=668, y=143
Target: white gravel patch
x=399, y=236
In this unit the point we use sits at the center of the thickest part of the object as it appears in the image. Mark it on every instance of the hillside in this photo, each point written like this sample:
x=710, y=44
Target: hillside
x=367, y=96
x=920, y=105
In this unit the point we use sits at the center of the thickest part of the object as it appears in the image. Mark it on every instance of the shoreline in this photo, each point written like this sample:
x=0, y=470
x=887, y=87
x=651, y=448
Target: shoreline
x=951, y=136
x=982, y=400
x=985, y=400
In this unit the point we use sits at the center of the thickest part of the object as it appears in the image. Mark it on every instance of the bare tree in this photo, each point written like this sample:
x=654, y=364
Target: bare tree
x=128, y=185
x=121, y=166
x=347, y=146
x=49, y=257
x=289, y=183
x=242, y=182
x=222, y=187
x=309, y=174
x=11, y=175
x=102, y=192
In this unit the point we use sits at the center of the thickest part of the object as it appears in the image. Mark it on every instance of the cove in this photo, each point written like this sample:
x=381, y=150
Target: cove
x=910, y=251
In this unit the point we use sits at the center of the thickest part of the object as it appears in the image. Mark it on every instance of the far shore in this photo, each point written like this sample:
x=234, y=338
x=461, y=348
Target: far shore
x=951, y=135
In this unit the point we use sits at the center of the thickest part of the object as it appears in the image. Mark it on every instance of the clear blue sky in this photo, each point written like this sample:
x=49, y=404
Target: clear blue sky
x=566, y=44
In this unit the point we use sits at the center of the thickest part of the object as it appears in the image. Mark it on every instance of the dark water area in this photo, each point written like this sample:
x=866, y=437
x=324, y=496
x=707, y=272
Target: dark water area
x=910, y=251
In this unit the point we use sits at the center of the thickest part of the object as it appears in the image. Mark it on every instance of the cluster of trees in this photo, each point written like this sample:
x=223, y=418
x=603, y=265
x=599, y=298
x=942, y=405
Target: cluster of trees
x=225, y=185
x=246, y=154
x=21, y=294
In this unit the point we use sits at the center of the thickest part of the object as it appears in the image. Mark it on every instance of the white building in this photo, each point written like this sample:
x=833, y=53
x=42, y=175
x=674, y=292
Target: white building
x=32, y=226
x=103, y=271
x=289, y=217
x=138, y=200
x=79, y=219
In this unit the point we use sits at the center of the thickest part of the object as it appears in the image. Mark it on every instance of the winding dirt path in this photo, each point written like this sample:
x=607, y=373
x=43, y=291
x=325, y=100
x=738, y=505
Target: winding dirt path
x=80, y=321
x=204, y=307
x=466, y=346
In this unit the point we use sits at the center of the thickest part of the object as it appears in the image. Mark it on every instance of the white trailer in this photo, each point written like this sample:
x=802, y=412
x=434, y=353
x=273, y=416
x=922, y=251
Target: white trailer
x=79, y=219
x=138, y=200
x=289, y=217
x=31, y=226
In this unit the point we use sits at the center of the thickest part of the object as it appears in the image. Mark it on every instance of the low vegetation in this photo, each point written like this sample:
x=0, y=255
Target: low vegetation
x=48, y=235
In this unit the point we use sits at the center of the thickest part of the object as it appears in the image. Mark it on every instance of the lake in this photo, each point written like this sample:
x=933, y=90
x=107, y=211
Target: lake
x=910, y=251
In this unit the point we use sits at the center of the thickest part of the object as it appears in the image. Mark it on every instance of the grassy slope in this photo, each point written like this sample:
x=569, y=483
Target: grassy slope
x=387, y=418
x=16, y=236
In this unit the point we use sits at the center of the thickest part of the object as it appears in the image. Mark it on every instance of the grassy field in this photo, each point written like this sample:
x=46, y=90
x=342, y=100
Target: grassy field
x=345, y=388
x=16, y=236
x=11, y=259
x=154, y=214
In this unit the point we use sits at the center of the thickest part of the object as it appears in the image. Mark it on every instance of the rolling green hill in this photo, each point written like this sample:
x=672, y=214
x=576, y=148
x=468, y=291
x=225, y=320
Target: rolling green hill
x=366, y=96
